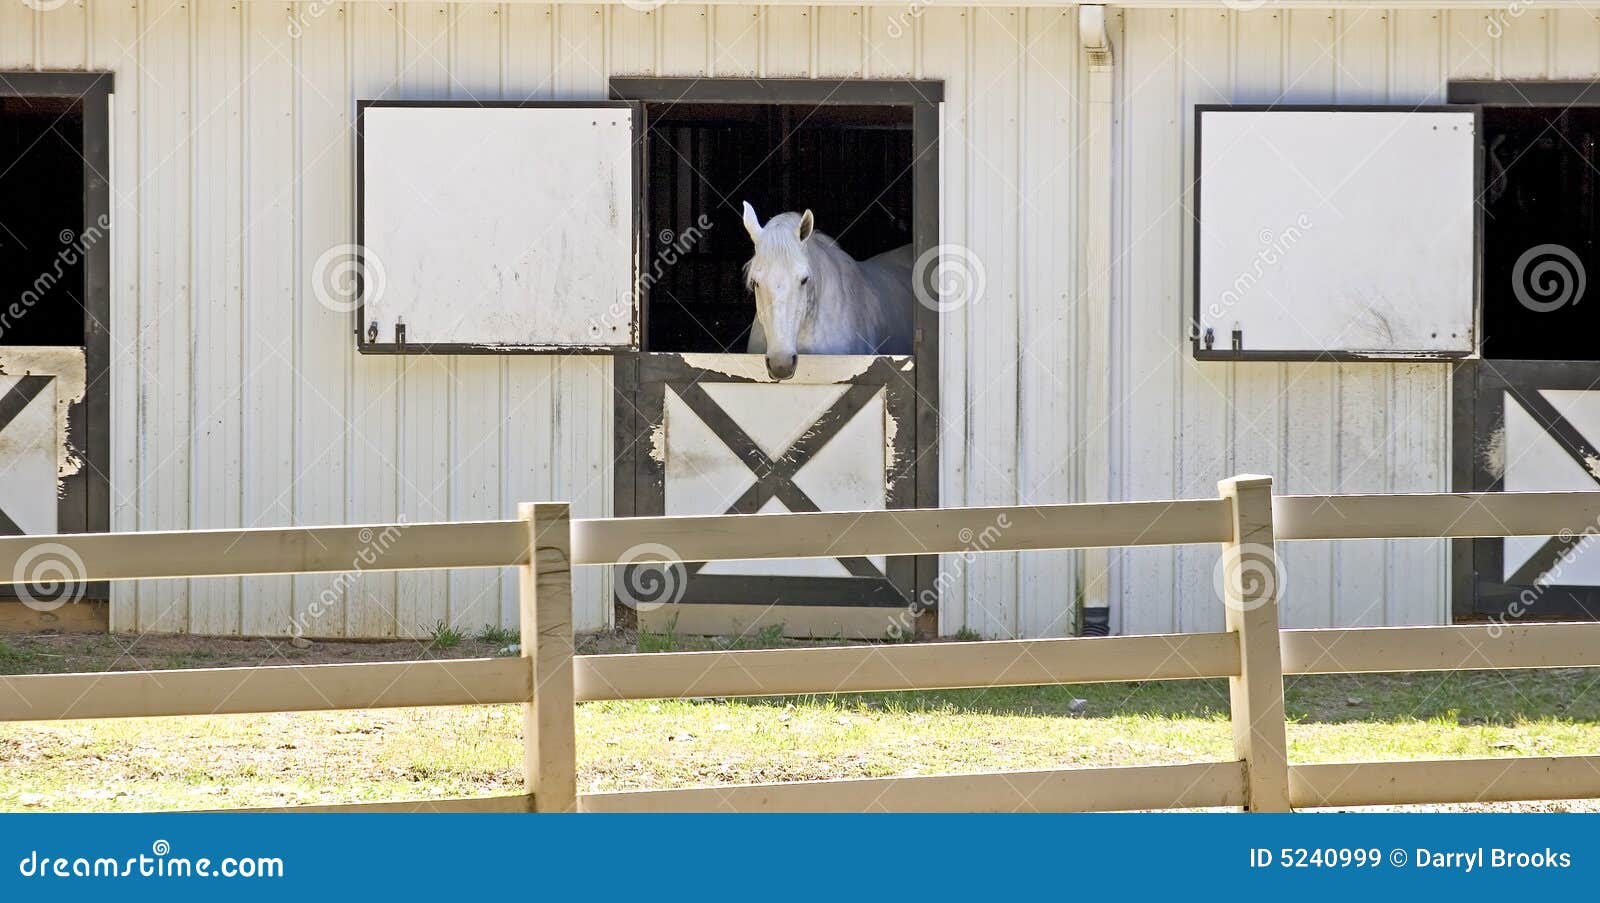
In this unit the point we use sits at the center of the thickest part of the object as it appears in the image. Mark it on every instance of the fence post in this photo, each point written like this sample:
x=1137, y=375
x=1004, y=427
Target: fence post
x=549, y=749
x=1250, y=594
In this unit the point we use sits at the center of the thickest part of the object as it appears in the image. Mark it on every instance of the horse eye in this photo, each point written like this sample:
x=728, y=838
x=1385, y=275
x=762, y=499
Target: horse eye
x=804, y=279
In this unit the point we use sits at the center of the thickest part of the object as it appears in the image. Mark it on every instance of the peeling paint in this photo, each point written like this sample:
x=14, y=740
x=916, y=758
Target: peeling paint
x=891, y=428
x=812, y=369
x=66, y=364
x=1492, y=452
x=658, y=442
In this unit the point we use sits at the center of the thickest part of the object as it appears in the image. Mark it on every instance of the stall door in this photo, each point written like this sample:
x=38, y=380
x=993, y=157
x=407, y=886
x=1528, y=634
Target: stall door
x=1533, y=426
x=713, y=434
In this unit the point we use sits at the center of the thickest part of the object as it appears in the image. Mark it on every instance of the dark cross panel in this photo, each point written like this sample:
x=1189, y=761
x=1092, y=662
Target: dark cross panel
x=642, y=490
x=1483, y=392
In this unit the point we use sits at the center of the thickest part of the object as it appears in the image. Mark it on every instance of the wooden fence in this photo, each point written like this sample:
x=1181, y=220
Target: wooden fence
x=1253, y=653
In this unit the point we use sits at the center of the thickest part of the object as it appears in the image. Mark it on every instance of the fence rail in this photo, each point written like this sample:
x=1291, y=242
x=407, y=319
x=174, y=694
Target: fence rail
x=545, y=543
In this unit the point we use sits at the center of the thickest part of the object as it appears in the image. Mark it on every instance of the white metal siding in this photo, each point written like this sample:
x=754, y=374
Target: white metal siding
x=234, y=386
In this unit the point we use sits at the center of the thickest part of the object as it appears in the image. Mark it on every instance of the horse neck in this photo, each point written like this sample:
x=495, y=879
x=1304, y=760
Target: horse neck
x=835, y=279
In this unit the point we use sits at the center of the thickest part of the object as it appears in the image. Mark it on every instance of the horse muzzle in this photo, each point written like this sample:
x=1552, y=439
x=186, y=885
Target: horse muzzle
x=782, y=366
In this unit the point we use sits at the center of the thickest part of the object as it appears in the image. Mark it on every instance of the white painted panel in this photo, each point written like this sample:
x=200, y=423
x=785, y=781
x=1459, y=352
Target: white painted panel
x=500, y=226
x=1338, y=231
x=703, y=476
x=1535, y=462
x=29, y=443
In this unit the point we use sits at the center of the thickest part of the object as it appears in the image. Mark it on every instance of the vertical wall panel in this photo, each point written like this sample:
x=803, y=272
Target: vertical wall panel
x=1521, y=38
x=992, y=390
x=891, y=40
x=788, y=42
x=323, y=340
x=1470, y=43
x=736, y=41
x=17, y=49
x=839, y=48
x=370, y=440
x=946, y=41
x=1047, y=581
x=64, y=36
x=1146, y=295
x=114, y=49
x=633, y=41
x=219, y=247
x=1574, y=43
x=683, y=39
x=271, y=286
x=166, y=306
x=1201, y=51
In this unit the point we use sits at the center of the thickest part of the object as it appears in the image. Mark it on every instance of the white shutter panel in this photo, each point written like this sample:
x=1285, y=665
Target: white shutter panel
x=1347, y=233
x=503, y=227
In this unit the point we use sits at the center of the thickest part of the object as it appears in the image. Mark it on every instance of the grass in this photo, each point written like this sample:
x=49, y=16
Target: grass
x=497, y=636
x=291, y=759
x=445, y=637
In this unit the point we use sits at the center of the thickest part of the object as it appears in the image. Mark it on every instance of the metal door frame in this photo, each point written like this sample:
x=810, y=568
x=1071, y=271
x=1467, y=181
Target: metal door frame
x=925, y=98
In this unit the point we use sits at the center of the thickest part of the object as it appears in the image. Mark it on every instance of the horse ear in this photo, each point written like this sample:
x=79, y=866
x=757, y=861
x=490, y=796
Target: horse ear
x=751, y=224
x=807, y=223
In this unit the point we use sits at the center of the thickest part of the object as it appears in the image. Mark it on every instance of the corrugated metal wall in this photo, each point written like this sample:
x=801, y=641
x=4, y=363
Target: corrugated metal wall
x=1316, y=427
x=240, y=401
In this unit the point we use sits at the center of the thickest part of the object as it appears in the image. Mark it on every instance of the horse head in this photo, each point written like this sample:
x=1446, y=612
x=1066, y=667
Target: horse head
x=779, y=273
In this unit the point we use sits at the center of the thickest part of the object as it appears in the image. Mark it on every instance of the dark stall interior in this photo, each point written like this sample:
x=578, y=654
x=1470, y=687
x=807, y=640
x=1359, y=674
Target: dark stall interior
x=41, y=182
x=1541, y=221
x=851, y=165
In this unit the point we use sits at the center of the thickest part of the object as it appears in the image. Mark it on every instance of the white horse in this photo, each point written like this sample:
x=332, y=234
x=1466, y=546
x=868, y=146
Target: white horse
x=813, y=298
